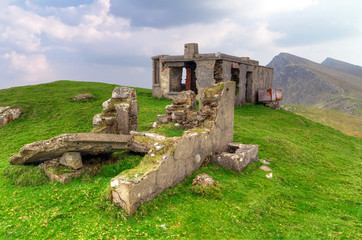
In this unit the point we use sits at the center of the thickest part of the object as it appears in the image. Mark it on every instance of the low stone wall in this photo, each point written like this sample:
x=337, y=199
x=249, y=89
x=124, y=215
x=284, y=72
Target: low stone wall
x=120, y=113
x=180, y=157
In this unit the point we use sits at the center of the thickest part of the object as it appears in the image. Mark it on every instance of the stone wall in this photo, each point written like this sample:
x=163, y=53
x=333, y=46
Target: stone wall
x=120, y=113
x=180, y=157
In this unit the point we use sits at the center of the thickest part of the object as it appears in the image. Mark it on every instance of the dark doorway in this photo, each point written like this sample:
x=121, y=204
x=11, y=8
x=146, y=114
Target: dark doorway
x=248, y=87
x=235, y=76
x=190, y=76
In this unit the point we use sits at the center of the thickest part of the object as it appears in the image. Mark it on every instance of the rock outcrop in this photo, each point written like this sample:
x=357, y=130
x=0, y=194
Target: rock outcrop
x=8, y=115
x=85, y=143
x=120, y=113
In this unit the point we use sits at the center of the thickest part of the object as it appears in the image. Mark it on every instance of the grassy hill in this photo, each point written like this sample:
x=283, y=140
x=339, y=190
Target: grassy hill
x=343, y=66
x=344, y=122
x=312, y=84
x=315, y=192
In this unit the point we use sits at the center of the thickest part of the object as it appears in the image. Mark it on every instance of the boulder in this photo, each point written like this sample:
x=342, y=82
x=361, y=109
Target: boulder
x=8, y=115
x=72, y=160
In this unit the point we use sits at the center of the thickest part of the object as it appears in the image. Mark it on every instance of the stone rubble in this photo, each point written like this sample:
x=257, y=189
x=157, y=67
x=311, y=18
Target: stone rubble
x=265, y=168
x=120, y=113
x=204, y=180
x=72, y=160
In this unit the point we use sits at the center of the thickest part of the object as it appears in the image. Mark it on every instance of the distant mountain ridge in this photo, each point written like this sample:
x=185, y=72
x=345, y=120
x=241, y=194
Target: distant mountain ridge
x=308, y=83
x=343, y=66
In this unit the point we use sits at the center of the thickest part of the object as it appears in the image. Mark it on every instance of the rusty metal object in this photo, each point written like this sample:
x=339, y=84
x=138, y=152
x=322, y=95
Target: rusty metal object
x=270, y=95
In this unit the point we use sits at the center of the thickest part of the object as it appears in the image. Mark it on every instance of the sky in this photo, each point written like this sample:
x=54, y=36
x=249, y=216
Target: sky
x=112, y=41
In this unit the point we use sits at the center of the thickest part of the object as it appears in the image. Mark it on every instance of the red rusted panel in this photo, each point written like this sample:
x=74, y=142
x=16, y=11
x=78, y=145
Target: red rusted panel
x=188, y=78
x=278, y=95
x=269, y=95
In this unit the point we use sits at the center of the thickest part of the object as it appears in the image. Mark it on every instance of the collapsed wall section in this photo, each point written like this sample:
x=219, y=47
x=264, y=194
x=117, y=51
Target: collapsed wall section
x=180, y=157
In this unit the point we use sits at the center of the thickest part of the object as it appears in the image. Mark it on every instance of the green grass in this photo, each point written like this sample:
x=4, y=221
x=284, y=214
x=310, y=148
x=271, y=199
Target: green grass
x=344, y=122
x=315, y=192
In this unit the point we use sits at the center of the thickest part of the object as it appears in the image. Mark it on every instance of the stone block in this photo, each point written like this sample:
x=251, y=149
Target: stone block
x=238, y=161
x=72, y=160
x=163, y=118
x=124, y=93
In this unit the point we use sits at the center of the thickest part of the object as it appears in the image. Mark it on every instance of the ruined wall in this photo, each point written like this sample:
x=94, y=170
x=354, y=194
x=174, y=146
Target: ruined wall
x=184, y=155
x=204, y=74
x=156, y=81
x=240, y=97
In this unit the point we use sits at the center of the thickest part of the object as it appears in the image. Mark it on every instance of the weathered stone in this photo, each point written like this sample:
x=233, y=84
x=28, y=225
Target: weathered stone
x=238, y=161
x=185, y=98
x=83, y=96
x=87, y=143
x=107, y=104
x=72, y=160
x=97, y=120
x=203, y=180
x=122, y=118
x=139, y=147
x=265, y=168
x=8, y=115
x=124, y=92
x=269, y=175
x=185, y=155
x=163, y=118
x=53, y=170
x=264, y=161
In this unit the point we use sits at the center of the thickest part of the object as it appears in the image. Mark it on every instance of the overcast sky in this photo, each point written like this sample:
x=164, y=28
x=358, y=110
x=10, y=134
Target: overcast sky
x=113, y=40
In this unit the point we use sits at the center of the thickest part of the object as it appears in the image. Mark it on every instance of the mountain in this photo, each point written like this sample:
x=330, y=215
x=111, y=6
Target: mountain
x=308, y=83
x=343, y=66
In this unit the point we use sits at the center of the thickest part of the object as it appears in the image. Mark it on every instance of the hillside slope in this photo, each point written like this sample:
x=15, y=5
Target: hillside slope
x=343, y=66
x=312, y=84
x=314, y=194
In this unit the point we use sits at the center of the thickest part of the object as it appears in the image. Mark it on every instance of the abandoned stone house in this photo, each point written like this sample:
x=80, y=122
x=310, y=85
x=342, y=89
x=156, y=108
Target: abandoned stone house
x=194, y=71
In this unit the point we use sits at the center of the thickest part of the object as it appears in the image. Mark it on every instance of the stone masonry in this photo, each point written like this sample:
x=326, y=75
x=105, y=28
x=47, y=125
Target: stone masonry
x=120, y=113
x=180, y=157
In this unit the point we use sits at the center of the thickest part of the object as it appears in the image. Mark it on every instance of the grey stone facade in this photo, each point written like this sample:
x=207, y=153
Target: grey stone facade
x=195, y=71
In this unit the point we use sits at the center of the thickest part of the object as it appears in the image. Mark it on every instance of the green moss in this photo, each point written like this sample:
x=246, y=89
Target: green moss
x=148, y=163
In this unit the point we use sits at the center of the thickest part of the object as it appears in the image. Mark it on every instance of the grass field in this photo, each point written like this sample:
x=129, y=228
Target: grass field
x=315, y=192
x=344, y=122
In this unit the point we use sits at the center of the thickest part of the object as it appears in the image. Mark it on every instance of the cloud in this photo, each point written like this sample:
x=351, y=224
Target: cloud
x=112, y=41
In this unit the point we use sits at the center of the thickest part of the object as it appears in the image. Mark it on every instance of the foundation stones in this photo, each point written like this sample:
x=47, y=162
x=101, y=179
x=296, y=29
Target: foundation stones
x=238, y=157
x=8, y=115
x=120, y=113
x=83, y=96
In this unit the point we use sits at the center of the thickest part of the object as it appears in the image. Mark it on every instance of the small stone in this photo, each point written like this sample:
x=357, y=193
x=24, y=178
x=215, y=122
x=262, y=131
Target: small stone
x=72, y=160
x=154, y=124
x=269, y=175
x=106, y=105
x=203, y=180
x=97, y=120
x=83, y=96
x=265, y=168
x=163, y=226
x=264, y=161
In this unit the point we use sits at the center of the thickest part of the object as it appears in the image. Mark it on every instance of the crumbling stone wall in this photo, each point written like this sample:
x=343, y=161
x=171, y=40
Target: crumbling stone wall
x=183, y=110
x=181, y=156
x=120, y=113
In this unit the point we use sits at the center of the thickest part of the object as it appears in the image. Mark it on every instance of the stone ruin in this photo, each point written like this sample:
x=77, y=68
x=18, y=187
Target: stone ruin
x=167, y=160
x=9, y=114
x=197, y=71
x=120, y=113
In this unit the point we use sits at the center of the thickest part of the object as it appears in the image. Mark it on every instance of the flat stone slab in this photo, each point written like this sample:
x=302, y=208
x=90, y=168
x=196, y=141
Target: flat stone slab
x=85, y=143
